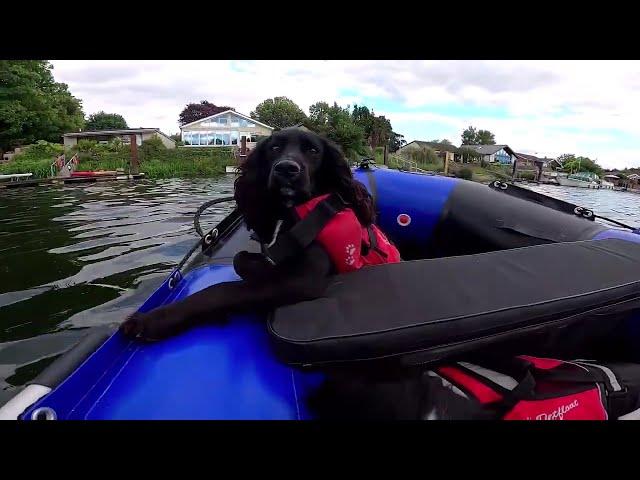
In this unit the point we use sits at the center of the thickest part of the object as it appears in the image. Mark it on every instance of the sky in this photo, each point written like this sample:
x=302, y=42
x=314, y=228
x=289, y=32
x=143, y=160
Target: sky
x=545, y=108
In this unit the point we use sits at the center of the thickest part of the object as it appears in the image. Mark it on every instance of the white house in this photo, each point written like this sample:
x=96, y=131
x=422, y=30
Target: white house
x=494, y=153
x=223, y=129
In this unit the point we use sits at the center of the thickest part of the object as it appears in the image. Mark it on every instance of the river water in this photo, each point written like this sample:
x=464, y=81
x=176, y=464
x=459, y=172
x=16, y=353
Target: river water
x=77, y=256
x=72, y=257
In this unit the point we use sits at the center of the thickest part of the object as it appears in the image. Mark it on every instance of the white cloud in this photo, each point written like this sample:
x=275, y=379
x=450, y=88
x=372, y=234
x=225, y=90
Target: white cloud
x=584, y=107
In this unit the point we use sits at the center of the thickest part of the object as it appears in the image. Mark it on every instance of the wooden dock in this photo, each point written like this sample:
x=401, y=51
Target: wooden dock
x=68, y=180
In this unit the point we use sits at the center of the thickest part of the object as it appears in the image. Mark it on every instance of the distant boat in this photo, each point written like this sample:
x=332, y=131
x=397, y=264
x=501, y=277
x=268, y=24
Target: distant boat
x=580, y=179
x=13, y=177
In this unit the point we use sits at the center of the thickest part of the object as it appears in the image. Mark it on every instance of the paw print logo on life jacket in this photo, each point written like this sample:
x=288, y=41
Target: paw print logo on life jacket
x=350, y=250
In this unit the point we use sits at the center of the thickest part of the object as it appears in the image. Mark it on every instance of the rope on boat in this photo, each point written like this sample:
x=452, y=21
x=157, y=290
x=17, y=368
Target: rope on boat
x=196, y=224
x=556, y=203
x=203, y=207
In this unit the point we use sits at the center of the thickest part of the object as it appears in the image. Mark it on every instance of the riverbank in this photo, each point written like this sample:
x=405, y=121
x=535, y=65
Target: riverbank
x=468, y=171
x=155, y=162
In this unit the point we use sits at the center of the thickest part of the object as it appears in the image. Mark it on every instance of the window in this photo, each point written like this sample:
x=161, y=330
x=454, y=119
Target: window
x=225, y=139
x=234, y=121
x=234, y=138
x=211, y=138
x=243, y=123
x=251, y=125
x=186, y=138
x=204, y=138
x=253, y=138
x=218, y=138
x=223, y=121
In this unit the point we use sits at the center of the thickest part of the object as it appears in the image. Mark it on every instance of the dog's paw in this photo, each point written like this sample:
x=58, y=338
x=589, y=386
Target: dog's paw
x=154, y=325
x=133, y=326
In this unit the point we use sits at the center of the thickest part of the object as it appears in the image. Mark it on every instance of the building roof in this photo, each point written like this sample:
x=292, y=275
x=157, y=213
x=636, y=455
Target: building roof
x=533, y=158
x=434, y=145
x=489, y=149
x=222, y=113
x=124, y=131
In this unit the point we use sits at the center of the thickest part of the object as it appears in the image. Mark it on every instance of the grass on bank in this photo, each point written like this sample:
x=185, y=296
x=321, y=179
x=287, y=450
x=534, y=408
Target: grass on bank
x=156, y=161
x=426, y=159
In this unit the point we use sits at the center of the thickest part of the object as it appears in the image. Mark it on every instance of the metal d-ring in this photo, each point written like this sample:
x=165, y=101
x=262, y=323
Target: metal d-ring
x=210, y=237
x=173, y=281
x=44, y=413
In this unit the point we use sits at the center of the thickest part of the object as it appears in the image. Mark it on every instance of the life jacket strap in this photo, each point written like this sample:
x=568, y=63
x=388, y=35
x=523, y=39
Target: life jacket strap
x=305, y=231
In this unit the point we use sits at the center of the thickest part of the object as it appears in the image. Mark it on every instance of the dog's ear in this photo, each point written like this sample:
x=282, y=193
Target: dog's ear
x=250, y=188
x=334, y=175
x=334, y=172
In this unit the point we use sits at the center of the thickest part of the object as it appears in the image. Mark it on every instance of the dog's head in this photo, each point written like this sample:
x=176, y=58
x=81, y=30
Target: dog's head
x=289, y=168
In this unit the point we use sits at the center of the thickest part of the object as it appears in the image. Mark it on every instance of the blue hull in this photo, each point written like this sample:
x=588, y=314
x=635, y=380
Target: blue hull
x=229, y=371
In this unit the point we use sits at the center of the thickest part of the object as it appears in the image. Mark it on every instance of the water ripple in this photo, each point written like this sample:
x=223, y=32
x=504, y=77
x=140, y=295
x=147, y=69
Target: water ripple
x=79, y=256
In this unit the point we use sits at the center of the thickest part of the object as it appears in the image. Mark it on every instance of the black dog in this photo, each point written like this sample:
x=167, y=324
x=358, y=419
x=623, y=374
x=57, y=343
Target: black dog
x=287, y=169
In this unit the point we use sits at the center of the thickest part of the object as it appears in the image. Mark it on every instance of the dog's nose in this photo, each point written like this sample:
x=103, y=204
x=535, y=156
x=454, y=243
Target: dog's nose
x=287, y=168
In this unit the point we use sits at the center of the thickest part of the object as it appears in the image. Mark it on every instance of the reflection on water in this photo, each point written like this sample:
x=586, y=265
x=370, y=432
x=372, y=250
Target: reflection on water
x=73, y=257
x=621, y=206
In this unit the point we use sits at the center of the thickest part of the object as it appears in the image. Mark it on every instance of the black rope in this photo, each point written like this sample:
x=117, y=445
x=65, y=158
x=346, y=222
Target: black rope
x=203, y=207
x=552, y=202
x=616, y=222
x=196, y=224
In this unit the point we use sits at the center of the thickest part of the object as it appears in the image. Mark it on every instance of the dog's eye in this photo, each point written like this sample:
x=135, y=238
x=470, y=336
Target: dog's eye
x=313, y=150
x=275, y=148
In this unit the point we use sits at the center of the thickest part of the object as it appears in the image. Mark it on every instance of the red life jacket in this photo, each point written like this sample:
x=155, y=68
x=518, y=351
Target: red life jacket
x=533, y=388
x=350, y=245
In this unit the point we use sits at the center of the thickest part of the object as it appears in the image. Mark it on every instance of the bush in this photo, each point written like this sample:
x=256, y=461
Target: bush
x=423, y=155
x=379, y=155
x=469, y=154
x=155, y=161
x=465, y=173
x=36, y=159
x=42, y=149
x=84, y=146
x=91, y=148
x=152, y=147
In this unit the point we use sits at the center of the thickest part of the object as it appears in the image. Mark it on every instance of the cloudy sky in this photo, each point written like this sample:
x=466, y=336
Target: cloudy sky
x=589, y=108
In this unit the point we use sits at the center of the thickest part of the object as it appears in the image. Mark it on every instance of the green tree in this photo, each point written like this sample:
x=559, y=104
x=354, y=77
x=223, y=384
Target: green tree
x=193, y=112
x=566, y=157
x=396, y=141
x=377, y=129
x=485, y=137
x=468, y=154
x=105, y=121
x=336, y=123
x=278, y=112
x=364, y=118
x=582, y=164
x=444, y=141
x=470, y=136
x=380, y=132
x=33, y=106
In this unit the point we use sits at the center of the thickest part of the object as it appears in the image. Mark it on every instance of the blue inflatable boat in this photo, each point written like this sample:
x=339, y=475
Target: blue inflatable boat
x=457, y=238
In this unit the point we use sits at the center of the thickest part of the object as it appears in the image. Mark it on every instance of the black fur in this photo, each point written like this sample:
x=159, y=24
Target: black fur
x=285, y=169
